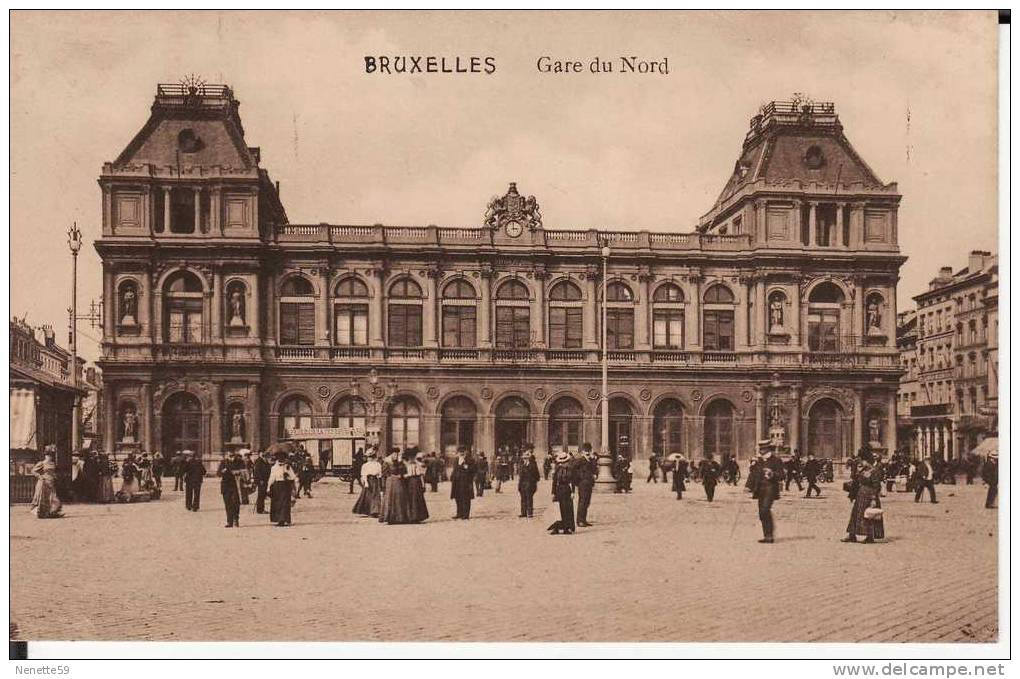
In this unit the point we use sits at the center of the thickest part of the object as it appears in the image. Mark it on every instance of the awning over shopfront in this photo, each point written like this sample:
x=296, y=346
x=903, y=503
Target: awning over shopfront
x=989, y=445
x=23, y=419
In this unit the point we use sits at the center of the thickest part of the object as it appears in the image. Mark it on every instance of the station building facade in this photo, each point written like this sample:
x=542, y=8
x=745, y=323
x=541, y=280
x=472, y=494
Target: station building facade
x=228, y=326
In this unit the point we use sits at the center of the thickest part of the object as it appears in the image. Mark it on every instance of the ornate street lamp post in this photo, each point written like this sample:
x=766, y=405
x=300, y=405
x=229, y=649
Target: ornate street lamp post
x=74, y=241
x=605, y=480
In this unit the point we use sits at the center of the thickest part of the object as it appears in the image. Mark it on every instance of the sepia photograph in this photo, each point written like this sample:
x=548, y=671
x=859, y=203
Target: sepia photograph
x=642, y=327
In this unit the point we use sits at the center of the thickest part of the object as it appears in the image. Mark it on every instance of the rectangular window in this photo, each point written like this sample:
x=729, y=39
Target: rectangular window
x=718, y=330
x=405, y=325
x=351, y=324
x=565, y=330
x=823, y=330
x=513, y=327
x=668, y=328
x=620, y=329
x=458, y=326
x=297, y=323
x=184, y=322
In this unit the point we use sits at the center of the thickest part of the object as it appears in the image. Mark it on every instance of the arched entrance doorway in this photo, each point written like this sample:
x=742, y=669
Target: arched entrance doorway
x=667, y=426
x=565, y=419
x=719, y=427
x=826, y=436
x=621, y=417
x=513, y=417
x=351, y=415
x=182, y=424
x=457, y=427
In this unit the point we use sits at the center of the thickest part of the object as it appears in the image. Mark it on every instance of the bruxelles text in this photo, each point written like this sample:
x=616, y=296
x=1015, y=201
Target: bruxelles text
x=430, y=64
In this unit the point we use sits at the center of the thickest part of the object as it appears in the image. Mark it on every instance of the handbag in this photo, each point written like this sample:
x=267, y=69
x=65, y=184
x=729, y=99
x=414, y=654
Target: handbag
x=873, y=514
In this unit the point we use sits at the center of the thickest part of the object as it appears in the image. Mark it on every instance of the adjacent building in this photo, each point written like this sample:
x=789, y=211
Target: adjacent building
x=950, y=354
x=775, y=315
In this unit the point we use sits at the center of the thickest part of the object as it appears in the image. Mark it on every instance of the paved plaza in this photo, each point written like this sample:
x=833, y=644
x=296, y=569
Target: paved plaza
x=650, y=569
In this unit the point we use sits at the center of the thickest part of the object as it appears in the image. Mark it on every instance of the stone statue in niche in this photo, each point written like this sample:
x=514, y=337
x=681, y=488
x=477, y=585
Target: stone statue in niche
x=776, y=315
x=236, y=309
x=237, y=427
x=874, y=318
x=128, y=306
x=130, y=426
x=874, y=431
x=777, y=427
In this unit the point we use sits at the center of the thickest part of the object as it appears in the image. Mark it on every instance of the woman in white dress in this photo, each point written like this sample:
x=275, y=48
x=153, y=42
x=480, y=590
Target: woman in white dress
x=45, y=503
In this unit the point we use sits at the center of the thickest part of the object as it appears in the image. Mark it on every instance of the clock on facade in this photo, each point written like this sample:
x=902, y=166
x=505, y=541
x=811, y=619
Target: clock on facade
x=514, y=229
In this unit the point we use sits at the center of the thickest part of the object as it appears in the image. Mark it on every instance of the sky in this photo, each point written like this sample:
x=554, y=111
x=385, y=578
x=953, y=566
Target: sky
x=916, y=93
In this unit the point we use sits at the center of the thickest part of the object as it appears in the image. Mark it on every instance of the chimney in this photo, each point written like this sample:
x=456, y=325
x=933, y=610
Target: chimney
x=946, y=272
x=976, y=262
x=49, y=335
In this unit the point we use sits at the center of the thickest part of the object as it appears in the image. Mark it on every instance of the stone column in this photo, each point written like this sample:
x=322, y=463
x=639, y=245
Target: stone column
x=538, y=311
x=592, y=312
x=858, y=437
x=198, y=210
x=890, y=433
x=740, y=313
x=857, y=225
x=110, y=418
x=812, y=224
x=216, y=419
x=795, y=321
x=272, y=310
x=217, y=305
x=761, y=325
x=215, y=217
x=795, y=417
x=759, y=415
x=147, y=305
x=166, y=209
x=254, y=416
x=430, y=322
x=157, y=317
x=110, y=306
x=918, y=441
x=858, y=310
x=254, y=308
x=377, y=308
x=839, y=225
x=693, y=319
x=323, y=333
x=485, y=309
x=147, y=418
x=643, y=313
x=107, y=210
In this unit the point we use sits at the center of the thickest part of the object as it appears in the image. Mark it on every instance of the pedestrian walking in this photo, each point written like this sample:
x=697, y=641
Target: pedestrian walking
x=527, y=484
x=924, y=477
x=415, y=483
x=282, y=480
x=45, y=503
x=793, y=469
x=679, y=474
x=770, y=476
x=463, y=479
x=356, y=462
x=194, y=475
x=229, y=490
x=370, y=501
x=481, y=475
x=584, y=480
x=812, y=468
x=395, y=505
x=180, y=464
x=433, y=471
x=731, y=470
x=866, y=513
x=653, y=470
x=990, y=475
x=261, y=469
x=106, y=471
x=547, y=464
x=563, y=489
x=710, y=471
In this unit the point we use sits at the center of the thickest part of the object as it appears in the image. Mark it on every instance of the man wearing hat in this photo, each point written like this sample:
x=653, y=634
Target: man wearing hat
x=527, y=484
x=229, y=490
x=194, y=474
x=260, y=473
x=925, y=478
x=770, y=475
x=462, y=483
x=584, y=479
x=679, y=474
x=710, y=471
x=990, y=475
x=812, y=468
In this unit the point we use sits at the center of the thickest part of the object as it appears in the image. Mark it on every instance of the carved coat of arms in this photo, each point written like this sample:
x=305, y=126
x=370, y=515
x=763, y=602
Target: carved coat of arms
x=513, y=207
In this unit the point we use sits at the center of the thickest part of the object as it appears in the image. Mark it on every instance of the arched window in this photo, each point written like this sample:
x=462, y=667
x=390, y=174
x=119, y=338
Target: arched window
x=295, y=413
x=565, y=418
x=350, y=313
x=566, y=316
x=457, y=427
x=513, y=419
x=719, y=426
x=404, y=314
x=127, y=296
x=297, y=312
x=824, y=308
x=350, y=414
x=459, y=314
x=668, y=317
x=297, y=286
x=619, y=317
x=667, y=424
x=717, y=319
x=183, y=308
x=405, y=422
x=513, y=316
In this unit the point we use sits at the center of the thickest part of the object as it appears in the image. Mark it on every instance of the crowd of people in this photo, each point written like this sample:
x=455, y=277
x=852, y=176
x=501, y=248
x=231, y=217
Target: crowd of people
x=392, y=488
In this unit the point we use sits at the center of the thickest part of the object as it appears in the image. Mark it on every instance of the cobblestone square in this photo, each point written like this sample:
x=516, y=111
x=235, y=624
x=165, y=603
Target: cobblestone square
x=650, y=569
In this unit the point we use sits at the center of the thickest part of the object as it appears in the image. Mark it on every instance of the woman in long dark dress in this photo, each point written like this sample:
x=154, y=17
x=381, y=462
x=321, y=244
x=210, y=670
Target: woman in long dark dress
x=281, y=490
x=868, y=479
x=384, y=476
x=563, y=493
x=370, y=501
x=679, y=474
x=417, y=510
x=462, y=483
x=396, y=508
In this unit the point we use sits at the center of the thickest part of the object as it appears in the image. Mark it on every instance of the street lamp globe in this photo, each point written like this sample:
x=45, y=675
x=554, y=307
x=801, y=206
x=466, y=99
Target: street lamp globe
x=606, y=251
x=74, y=239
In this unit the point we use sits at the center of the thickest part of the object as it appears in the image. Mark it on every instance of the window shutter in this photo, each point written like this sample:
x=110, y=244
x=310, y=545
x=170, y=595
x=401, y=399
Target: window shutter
x=306, y=324
x=288, y=324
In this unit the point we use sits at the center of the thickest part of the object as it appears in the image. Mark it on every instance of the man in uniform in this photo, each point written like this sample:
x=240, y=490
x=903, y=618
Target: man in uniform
x=584, y=480
x=194, y=474
x=812, y=468
x=260, y=473
x=767, y=489
x=710, y=471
